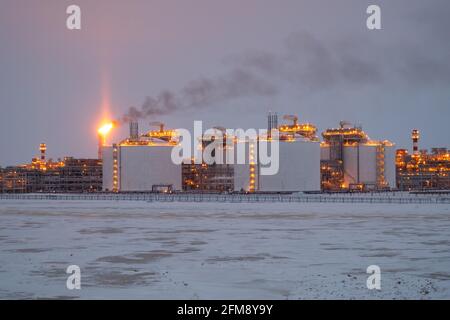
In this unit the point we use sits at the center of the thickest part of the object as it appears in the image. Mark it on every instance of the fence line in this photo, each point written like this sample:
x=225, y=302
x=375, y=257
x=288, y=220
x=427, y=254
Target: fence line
x=232, y=198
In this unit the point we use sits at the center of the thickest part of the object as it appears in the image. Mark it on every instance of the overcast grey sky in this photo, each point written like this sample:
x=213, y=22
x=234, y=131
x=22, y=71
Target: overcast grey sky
x=226, y=62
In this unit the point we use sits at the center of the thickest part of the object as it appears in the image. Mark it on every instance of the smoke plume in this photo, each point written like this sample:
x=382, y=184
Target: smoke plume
x=307, y=64
x=203, y=92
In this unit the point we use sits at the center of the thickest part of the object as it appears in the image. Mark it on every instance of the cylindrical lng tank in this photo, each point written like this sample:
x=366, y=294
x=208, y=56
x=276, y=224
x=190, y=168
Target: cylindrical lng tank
x=107, y=152
x=242, y=169
x=360, y=164
x=390, y=166
x=140, y=168
x=298, y=168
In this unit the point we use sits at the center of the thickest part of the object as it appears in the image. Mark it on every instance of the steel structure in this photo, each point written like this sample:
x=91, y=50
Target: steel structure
x=422, y=170
x=350, y=160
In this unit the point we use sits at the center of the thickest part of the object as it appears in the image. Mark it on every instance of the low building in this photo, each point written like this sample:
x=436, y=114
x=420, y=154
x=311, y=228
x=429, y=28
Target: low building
x=207, y=178
x=422, y=170
x=208, y=175
x=67, y=175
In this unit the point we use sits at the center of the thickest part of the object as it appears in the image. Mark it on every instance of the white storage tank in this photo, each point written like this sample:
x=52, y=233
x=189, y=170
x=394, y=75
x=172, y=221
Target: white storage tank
x=242, y=172
x=298, y=169
x=360, y=164
x=142, y=163
x=141, y=168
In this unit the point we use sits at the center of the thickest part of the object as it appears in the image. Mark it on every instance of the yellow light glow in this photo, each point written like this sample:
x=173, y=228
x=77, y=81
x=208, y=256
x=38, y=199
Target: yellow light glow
x=106, y=128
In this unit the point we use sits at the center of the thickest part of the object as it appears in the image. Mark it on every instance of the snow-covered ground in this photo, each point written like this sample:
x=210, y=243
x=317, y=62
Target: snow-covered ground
x=208, y=250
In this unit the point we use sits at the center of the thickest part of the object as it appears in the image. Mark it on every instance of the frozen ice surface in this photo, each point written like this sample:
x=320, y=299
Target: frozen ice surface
x=131, y=249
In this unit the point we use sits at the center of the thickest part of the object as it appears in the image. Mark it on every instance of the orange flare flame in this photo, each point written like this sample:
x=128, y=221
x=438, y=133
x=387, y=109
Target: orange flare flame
x=105, y=129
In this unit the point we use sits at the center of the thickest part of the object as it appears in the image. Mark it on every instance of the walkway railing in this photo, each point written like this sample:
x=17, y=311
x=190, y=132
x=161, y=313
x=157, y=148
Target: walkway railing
x=233, y=198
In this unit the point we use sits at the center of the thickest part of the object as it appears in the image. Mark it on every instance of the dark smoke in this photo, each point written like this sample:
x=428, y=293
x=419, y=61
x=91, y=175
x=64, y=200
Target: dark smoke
x=309, y=65
x=312, y=65
x=203, y=92
x=164, y=103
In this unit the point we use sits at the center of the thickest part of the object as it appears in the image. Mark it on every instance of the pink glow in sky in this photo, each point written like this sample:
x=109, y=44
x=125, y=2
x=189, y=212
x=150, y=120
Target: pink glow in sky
x=56, y=84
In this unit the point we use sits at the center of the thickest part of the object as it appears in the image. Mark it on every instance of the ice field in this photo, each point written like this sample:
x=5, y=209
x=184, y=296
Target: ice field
x=209, y=250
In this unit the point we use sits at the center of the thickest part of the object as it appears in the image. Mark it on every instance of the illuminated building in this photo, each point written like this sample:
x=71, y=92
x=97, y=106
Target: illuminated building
x=42, y=175
x=350, y=161
x=422, y=170
x=210, y=176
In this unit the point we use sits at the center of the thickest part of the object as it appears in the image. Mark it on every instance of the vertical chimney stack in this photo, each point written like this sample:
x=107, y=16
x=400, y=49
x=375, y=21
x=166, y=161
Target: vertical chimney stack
x=101, y=143
x=272, y=123
x=43, y=149
x=415, y=135
x=134, y=130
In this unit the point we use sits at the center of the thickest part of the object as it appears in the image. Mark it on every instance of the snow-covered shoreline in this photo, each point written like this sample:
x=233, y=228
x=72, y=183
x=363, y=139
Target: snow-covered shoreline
x=208, y=250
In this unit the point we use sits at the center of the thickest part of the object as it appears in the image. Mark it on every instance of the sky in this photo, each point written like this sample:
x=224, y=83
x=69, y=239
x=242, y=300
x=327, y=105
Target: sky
x=226, y=62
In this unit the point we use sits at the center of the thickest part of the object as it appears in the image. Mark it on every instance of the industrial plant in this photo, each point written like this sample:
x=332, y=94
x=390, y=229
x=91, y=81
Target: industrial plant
x=422, y=170
x=346, y=160
x=350, y=160
x=48, y=176
x=142, y=162
x=295, y=141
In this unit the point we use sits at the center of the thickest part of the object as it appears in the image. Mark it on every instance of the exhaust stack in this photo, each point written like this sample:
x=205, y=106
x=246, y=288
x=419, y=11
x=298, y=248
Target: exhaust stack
x=101, y=143
x=134, y=130
x=43, y=149
x=272, y=123
x=415, y=135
